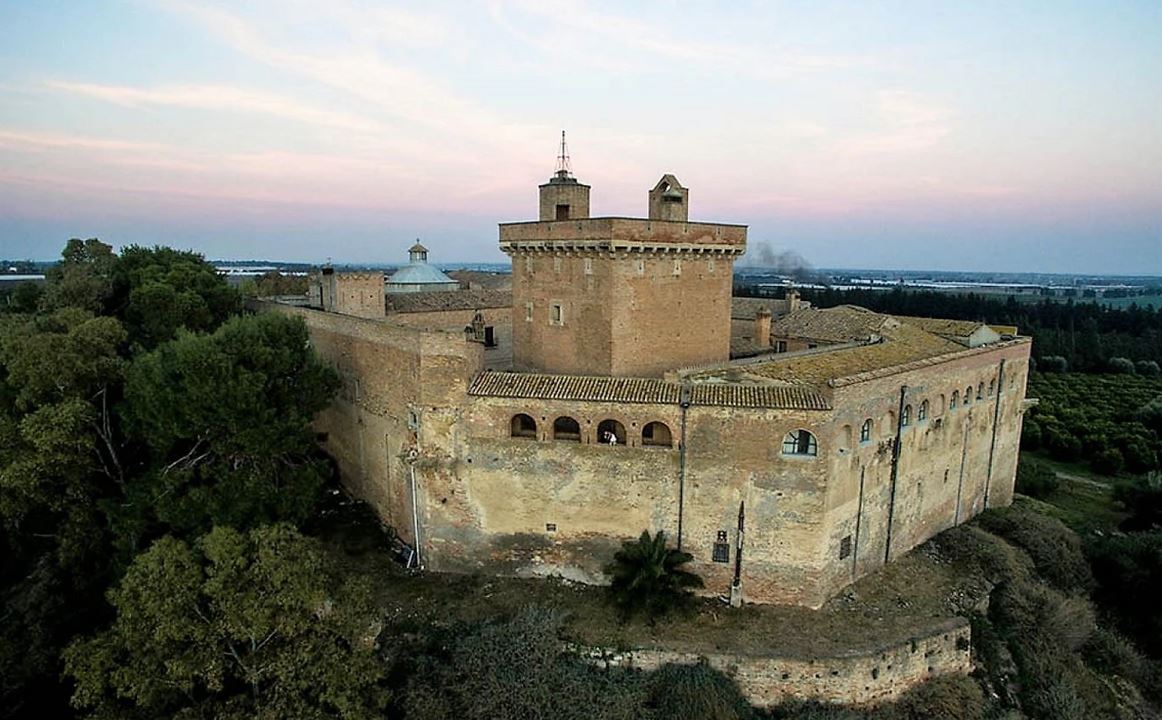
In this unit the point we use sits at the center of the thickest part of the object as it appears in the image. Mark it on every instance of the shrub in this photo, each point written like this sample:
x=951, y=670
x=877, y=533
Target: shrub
x=1110, y=652
x=955, y=698
x=1128, y=569
x=1035, y=478
x=648, y=576
x=1142, y=498
x=697, y=692
x=1030, y=435
x=1107, y=462
x=1147, y=368
x=1053, y=364
x=1121, y=366
x=1055, y=549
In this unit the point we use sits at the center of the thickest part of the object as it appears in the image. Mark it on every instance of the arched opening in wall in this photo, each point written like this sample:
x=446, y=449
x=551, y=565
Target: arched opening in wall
x=992, y=387
x=800, y=442
x=968, y=395
x=865, y=431
x=523, y=426
x=907, y=417
x=940, y=403
x=980, y=391
x=845, y=439
x=922, y=412
x=657, y=434
x=567, y=429
x=955, y=400
x=611, y=432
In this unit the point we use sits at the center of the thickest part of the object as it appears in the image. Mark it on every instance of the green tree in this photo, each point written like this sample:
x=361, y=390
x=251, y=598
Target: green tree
x=226, y=420
x=159, y=290
x=1035, y=478
x=83, y=278
x=648, y=577
x=236, y=626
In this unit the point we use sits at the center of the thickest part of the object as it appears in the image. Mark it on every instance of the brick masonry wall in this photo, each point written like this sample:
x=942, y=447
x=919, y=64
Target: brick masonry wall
x=863, y=678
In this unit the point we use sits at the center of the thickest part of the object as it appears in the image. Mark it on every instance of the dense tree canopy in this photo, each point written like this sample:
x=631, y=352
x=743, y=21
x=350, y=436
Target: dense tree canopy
x=234, y=626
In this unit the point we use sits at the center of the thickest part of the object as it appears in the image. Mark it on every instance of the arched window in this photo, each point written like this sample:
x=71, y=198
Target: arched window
x=523, y=426
x=865, y=431
x=657, y=434
x=992, y=387
x=922, y=413
x=800, y=442
x=955, y=400
x=940, y=407
x=567, y=429
x=980, y=391
x=611, y=432
x=907, y=417
x=968, y=395
x=845, y=439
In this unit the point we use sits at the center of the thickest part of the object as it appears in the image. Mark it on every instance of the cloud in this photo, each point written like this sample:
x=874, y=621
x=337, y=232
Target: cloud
x=219, y=97
x=907, y=121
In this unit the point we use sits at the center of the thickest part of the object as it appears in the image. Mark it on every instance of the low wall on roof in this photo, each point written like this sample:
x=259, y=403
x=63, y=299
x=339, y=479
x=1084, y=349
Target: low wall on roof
x=861, y=678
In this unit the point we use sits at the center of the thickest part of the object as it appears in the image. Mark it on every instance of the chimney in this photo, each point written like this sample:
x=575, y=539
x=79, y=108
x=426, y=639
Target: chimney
x=762, y=327
x=792, y=300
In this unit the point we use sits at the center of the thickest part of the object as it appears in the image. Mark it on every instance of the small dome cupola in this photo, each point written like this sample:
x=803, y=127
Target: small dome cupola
x=417, y=253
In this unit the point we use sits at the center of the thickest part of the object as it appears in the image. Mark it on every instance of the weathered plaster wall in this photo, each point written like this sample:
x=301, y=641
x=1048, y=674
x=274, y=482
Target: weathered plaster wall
x=945, y=464
x=858, y=678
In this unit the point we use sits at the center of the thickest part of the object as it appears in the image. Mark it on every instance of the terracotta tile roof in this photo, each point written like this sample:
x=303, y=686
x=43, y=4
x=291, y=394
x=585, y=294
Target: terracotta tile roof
x=788, y=397
x=744, y=308
x=838, y=324
x=643, y=390
x=939, y=326
x=901, y=344
x=575, y=387
x=453, y=300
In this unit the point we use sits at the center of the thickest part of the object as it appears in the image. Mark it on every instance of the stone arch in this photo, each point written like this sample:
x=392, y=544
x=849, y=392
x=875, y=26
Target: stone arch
x=567, y=429
x=611, y=432
x=866, y=430
x=657, y=434
x=523, y=426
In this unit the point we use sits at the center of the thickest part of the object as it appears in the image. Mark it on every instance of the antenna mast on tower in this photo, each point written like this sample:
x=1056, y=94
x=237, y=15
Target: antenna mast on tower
x=564, y=167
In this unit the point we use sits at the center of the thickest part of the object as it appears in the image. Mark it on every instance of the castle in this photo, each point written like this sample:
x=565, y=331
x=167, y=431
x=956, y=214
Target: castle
x=619, y=388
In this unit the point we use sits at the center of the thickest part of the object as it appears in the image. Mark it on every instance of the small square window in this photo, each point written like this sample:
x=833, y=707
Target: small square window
x=528, y=312
x=550, y=527
x=845, y=547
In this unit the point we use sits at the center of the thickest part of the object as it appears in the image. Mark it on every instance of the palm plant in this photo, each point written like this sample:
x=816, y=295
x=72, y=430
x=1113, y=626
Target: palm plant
x=648, y=576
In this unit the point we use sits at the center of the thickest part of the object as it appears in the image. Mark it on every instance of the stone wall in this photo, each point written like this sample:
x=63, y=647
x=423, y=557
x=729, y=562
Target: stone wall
x=862, y=678
x=946, y=460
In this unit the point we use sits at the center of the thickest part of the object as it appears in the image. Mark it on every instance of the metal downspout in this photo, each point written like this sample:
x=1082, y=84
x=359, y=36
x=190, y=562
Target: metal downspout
x=896, y=445
x=684, y=404
x=996, y=422
x=415, y=516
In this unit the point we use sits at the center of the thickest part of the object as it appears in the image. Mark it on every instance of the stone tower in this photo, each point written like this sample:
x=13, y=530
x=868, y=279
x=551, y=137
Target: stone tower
x=619, y=296
x=563, y=198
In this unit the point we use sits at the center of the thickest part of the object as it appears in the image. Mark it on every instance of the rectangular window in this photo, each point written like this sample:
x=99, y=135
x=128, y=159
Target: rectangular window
x=677, y=267
x=845, y=547
x=556, y=314
x=721, y=548
x=710, y=265
x=588, y=266
x=641, y=267
x=562, y=212
x=780, y=346
x=528, y=312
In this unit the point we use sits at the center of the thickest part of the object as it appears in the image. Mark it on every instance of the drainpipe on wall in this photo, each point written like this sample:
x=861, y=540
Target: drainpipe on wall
x=996, y=421
x=684, y=404
x=413, y=455
x=896, y=445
